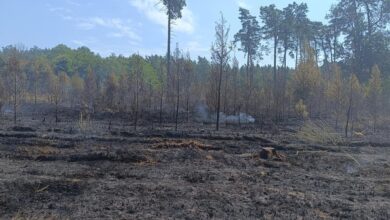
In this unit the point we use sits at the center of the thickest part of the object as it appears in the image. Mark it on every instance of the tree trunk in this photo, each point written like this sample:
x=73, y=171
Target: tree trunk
x=276, y=102
x=334, y=45
x=188, y=108
x=248, y=83
x=284, y=80
x=56, y=111
x=15, y=94
x=349, y=112
x=234, y=95
x=136, y=103
x=161, y=104
x=219, y=94
x=177, y=101
x=169, y=77
x=296, y=54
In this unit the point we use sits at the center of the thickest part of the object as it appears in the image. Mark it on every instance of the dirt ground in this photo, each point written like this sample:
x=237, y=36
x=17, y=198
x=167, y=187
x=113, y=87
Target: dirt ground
x=107, y=171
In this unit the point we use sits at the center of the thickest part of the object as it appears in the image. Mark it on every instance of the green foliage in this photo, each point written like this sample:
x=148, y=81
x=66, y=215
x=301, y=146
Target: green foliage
x=249, y=35
x=174, y=7
x=271, y=17
x=364, y=25
x=150, y=75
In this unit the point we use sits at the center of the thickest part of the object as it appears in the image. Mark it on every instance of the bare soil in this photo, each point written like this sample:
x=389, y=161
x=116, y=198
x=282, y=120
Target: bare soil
x=64, y=172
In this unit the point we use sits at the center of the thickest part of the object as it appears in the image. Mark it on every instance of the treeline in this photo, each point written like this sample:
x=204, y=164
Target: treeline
x=341, y=72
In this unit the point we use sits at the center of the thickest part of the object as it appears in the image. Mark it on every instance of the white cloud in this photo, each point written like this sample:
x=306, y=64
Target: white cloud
x=153, y=10
x=243, y=4
x=78, y=43
x=85, y=25
x=67, y=17
x=59, y=10
x=64, y=13
x=85, y=42
x=196, y=47
x=119, y=27
x=73, y=3
x=115, y=35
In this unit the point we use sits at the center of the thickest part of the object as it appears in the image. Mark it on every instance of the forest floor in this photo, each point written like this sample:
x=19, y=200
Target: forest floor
x=60, y=172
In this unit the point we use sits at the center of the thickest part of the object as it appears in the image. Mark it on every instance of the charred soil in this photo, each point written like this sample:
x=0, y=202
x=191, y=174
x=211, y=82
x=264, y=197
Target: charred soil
x=66, y=172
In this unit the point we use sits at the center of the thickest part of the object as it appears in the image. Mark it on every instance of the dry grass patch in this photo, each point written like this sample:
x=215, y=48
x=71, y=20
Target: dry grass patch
x=318, y=133
x=21, y=216
x=38, y=151
x=182, y=144
x=267, y=153
x=209, y=157
x=147, y=162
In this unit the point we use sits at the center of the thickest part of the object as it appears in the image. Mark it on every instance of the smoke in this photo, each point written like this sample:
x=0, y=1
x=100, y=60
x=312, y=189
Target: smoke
x=242, y=118
x=202, y=114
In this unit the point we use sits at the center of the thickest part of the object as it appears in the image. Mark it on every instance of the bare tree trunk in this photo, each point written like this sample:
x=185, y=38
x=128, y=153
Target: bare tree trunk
x=136, y=103
x=335, y=49
x=188, y=107
x=349, y=112
x=35, y=93
x=234, y=92
x=248, y=82
x=348, y=118
x=177, y=101
x=15, y=95
x=284, y=81
x=56, y=111
x=170, y=93
x=297, y=54
x=161, y=104
x=219, y=94
x=225, y=99
x=276, y=100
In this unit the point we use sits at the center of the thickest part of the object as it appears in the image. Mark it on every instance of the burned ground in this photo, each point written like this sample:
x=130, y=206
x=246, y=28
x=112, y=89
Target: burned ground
x=63, y=172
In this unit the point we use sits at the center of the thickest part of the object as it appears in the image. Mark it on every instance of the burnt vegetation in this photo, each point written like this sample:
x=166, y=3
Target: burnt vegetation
x=85, y=136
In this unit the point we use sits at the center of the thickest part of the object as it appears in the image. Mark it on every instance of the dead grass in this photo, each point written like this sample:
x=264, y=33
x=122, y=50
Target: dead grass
x=147, y=162
x=323, y=134
x=21, y=216
x=34, y=152
x=321, y=215
x=266, y=153
x=209, y=157
x=318, y=133
x=182, y=144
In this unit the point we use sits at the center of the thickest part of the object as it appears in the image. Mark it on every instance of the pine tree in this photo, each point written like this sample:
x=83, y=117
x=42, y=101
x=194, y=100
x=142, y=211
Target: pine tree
x=173, y=10
x=249, y=36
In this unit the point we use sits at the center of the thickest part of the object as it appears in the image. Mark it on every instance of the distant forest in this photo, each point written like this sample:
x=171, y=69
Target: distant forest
x=341, y=72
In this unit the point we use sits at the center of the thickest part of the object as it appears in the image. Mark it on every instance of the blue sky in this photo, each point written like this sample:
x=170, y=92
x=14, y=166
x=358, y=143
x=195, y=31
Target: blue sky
x=126, y=26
